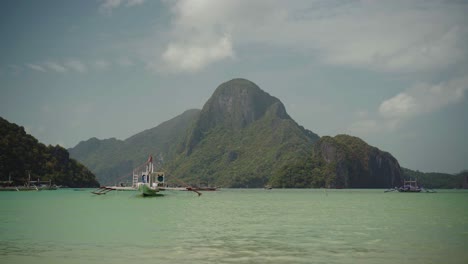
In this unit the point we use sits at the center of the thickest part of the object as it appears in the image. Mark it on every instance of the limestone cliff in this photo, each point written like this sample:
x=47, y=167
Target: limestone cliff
x=355, y=164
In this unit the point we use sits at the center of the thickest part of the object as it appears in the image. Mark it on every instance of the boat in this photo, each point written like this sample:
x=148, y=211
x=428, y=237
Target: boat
x=151, y=185
x=28, y=185
x=409, y=186
x=149, y=182
x=19, y=188
x=45, y=185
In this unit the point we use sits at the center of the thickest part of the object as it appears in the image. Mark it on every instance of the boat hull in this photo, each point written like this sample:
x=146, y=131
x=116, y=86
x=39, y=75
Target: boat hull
x=409, y=190
x=19, y=188
x=148, y=191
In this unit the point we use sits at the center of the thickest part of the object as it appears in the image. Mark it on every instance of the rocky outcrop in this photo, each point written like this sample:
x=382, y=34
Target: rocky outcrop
x=355, y=164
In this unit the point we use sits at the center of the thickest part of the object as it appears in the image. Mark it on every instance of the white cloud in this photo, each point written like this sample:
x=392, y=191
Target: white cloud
x=380, y=35
x=76, y=65
x=422, y=98
x=197, y=54
x=107, y=6
x=400, y=105
x=55, y=66
x=198, y=37
x=36, y=67
x=135, y=2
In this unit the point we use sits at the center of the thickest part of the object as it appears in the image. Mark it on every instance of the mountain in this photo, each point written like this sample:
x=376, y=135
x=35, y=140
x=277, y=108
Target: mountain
x=349, y=162
x=341, y=162
x=242, y=137
x=21, y=152
x=112, y=160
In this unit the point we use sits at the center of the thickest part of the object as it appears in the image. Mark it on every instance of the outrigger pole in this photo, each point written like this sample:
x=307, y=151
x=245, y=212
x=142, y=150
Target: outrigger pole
x=106, y=189
x=103, y=190
x=188, y=187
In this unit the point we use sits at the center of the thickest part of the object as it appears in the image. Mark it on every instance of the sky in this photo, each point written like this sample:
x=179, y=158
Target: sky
x=394, y=73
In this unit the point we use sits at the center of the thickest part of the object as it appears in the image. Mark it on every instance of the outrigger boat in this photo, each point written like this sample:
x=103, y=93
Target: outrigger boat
x=147, y=181
x=28, y=185
x=410, y=186
x=151, y=182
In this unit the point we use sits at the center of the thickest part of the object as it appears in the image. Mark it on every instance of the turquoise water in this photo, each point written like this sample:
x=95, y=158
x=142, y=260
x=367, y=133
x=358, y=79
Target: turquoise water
x=234, y=226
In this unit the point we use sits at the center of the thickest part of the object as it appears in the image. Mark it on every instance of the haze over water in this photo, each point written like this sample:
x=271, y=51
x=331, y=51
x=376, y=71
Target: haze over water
x=234, y=226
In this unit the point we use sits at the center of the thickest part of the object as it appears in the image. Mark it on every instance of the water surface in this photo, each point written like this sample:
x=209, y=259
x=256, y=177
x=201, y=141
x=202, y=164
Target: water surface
x=234, y=226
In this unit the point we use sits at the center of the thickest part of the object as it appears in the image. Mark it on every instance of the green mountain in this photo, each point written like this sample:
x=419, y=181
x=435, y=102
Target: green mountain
x=21, y=152
x=348, y=162
x=242, y=138
x=341, y=162
x=113, y=160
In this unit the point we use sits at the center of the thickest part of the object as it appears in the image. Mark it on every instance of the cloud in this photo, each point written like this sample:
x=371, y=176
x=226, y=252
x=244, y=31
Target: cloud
x=55, y=66
x=400, y=105
x=196, y=55
x=394, y=36
x=197, y=37
x=102, y=64
x=405, y=40
x=107, y=6
x=135, y=2
x=422, y=98
x=76, y=65
x=36, y=67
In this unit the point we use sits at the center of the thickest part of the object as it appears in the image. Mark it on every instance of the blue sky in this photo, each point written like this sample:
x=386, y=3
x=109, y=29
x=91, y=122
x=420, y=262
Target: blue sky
x=394, y=73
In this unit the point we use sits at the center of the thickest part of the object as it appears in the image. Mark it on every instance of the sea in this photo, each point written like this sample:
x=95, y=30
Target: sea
x=234, y=226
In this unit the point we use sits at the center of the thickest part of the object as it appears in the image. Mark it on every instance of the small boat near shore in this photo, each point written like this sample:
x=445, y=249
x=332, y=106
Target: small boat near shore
x=28, y=185
x=410, y=186
x=19, y=188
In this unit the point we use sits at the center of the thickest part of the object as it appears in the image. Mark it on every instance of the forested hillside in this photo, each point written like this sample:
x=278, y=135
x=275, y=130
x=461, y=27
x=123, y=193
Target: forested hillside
x=112, y=160
x=21, y=154
x=342, y=161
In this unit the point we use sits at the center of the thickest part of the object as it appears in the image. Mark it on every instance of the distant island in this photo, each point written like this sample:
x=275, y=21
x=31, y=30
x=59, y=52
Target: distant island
x=243, y=137
x=22, y=155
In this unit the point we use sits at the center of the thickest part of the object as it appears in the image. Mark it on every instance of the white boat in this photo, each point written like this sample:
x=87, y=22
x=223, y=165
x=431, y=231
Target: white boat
x=148, y=181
